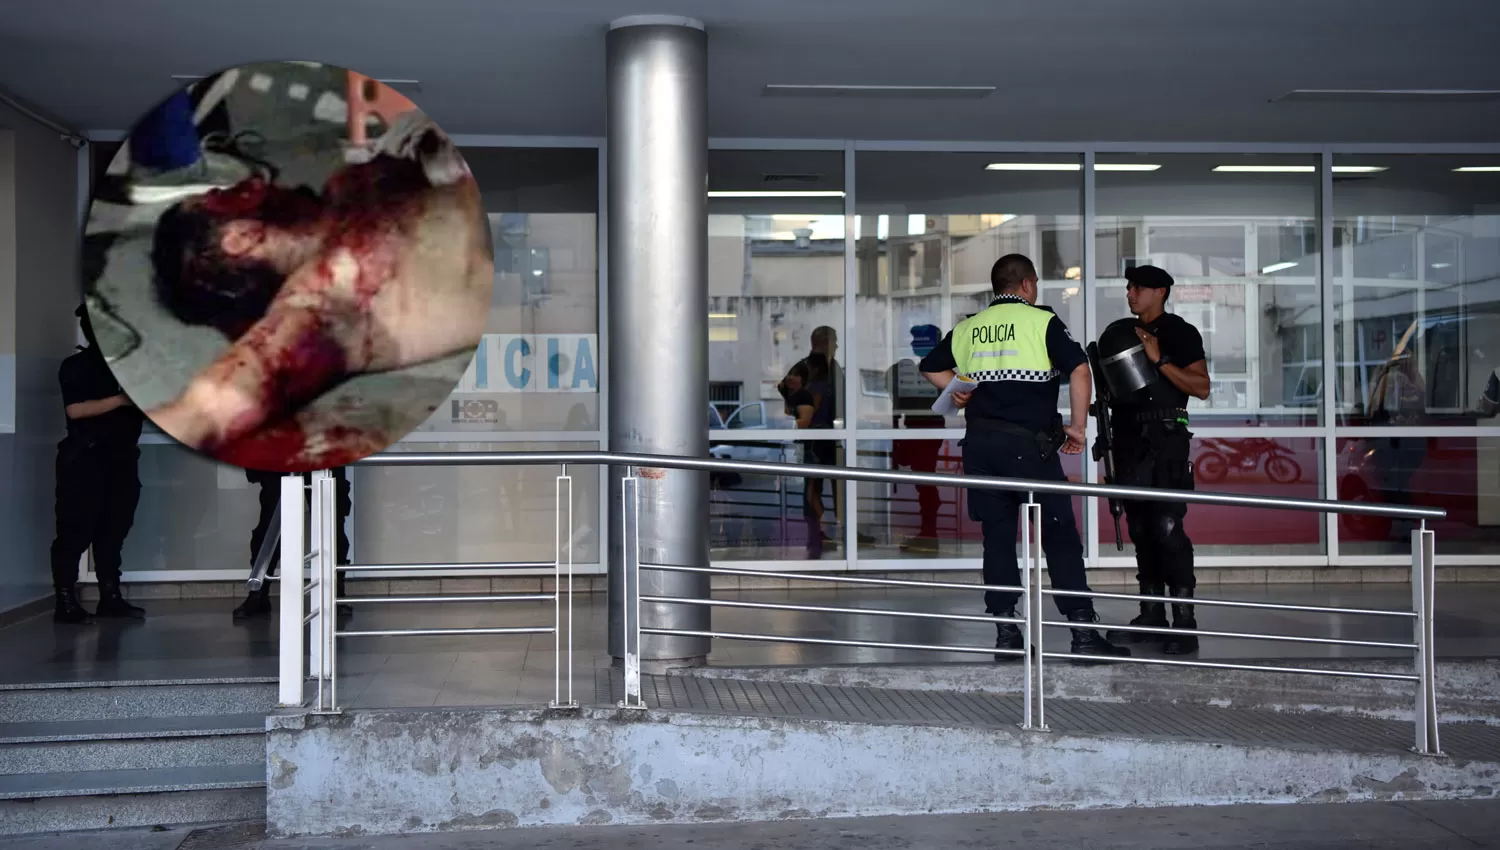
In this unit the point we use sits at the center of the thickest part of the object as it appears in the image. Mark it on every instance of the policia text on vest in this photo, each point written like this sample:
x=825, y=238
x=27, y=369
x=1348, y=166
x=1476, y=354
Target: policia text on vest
x=1016, y=353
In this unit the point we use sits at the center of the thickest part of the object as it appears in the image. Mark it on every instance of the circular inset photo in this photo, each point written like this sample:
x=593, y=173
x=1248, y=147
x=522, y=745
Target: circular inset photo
x=287, y=266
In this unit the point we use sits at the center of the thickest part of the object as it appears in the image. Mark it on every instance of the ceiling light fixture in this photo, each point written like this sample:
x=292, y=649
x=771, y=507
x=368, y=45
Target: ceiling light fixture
x=795, y=193
x=1388, y=95
x=1278, y=267
x=403, y=86
x=1297, y=169
x=1265, y=169
x=970, y=92
x=1478, y=169
x=1070, y=166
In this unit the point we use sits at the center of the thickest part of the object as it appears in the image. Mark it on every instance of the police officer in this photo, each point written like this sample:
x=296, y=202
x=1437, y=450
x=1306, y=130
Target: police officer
x=1151, y=445
x=98, y=485
x=257, y=604
x=1016, y=351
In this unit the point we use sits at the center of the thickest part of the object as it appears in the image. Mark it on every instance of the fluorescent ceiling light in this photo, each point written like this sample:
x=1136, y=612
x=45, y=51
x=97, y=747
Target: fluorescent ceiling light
x=722, y=316
x=1297, y=169
x=794, y=193
x=877, y=91
x=1389, y=95
x=1266, y=169
x=1478, y=169
x=1278, y=267
x=1442, y=265
x=1070, y=166
x=1033, y=166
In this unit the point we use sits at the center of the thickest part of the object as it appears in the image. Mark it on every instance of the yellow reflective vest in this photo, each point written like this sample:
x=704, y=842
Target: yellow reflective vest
x=1006, y=341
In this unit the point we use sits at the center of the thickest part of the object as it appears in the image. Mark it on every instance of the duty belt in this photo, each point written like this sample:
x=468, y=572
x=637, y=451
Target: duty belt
x=1161, y=414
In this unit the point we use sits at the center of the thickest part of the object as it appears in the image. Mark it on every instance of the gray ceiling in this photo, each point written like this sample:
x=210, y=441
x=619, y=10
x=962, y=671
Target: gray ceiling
x=1067, y=70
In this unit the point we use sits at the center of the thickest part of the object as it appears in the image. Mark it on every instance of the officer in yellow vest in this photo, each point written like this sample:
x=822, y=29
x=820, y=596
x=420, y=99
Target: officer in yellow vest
x=1016, y=352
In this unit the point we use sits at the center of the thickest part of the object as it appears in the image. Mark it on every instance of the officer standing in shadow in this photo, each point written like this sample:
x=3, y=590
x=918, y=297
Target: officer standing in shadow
x=1152, y=446
x=1016, y=351
x=98, y=483
x=257, y=605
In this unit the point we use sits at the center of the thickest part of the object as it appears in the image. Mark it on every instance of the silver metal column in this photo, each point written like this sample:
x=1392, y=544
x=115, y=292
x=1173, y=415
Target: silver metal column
x=658, y=315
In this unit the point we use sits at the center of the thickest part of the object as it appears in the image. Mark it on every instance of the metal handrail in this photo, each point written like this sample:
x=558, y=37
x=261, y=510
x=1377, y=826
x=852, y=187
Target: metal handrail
x=1031, y=590
x=267, y=547
x=850, y=473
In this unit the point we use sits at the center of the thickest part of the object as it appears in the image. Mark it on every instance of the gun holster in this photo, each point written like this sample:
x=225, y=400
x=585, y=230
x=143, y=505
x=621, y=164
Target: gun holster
x=1051, y=438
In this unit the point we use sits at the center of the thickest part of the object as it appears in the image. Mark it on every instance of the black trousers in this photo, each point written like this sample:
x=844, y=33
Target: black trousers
x=1157, y=456
x=270, y=497
x=1007, y=456
x=98, y=489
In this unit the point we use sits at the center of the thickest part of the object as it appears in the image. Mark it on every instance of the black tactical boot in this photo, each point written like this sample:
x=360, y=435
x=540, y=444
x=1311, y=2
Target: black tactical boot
x=112, y=604
x=1153, y=614
x=68, y=611
x=257, y=606
x=1089, y=641
x=1008, y=636
x=1182, y=618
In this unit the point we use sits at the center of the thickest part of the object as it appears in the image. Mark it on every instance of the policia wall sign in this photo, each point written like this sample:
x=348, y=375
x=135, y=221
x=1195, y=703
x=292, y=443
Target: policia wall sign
x=1016, y=353
x=1152, y=363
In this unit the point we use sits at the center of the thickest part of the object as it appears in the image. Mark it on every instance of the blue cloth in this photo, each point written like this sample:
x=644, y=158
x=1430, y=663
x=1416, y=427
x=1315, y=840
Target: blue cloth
x=166, y=138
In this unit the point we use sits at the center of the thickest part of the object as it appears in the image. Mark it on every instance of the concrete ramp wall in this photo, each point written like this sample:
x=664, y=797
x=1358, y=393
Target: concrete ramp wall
x=384, y=772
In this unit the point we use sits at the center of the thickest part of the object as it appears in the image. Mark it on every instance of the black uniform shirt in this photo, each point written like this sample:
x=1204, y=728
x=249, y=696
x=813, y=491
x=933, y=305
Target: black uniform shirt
x=1029, y=404
x=86, y=377
x=1183, y=345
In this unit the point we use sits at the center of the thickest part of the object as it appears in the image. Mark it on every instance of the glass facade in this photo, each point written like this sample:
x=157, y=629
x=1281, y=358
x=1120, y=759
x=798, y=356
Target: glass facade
x=1398, y=315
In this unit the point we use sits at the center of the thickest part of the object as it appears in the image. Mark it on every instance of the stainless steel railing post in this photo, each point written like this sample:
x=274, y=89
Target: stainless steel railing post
x=1028, y=688
x=1034, y=614
x=1423, y=588
x=317, y=610
x=563, y=667
x=631, y=584
x=292, y=678
x=328, y=581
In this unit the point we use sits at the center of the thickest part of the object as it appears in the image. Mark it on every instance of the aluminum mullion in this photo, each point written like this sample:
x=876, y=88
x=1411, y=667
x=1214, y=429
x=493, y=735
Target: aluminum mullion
x=1089, y=231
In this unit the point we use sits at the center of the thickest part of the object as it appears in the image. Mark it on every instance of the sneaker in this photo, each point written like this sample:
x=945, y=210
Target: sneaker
x=212, y=171
x=226, y=160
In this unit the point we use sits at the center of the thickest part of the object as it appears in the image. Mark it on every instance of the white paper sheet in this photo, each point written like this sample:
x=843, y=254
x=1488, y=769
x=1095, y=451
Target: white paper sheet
x=945, y=403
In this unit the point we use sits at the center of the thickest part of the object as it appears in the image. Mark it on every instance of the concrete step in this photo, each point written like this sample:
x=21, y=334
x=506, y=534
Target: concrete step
x=129, y=744
x=68, y=701
x=101, y=799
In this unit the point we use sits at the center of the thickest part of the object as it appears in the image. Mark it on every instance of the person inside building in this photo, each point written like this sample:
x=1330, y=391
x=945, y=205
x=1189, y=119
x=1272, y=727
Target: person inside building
x=257, y=605
x=812, y=405
x=1016, y=351
x=98, y=483
x=1489, y=400
x=1152, y=445
x=911, y=407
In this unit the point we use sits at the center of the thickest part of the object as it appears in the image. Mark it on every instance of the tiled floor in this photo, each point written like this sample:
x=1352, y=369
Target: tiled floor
x=193, y=639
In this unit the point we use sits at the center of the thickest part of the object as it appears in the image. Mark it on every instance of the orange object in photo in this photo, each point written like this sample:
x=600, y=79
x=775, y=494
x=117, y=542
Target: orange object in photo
x=368, y=96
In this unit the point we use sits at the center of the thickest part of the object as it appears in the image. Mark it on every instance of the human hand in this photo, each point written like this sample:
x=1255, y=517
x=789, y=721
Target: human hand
x=1153, y=347
x=962, y=399
x=1076, y=440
